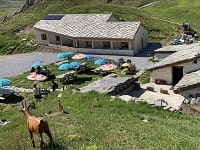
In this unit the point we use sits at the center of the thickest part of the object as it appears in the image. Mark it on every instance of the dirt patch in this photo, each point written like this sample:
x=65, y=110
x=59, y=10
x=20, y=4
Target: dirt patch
x=190, y=109
x=27, y=30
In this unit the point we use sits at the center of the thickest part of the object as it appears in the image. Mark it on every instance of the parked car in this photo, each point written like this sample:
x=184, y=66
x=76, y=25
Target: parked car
x=176, y=42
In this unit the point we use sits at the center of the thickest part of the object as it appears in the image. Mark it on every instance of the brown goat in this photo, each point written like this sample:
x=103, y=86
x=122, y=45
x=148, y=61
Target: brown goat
x=36, y=125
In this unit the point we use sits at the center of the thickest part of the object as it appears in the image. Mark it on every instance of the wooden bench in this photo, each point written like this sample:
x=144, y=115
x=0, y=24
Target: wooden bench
x=67, y=77
x=158, y=81
x=61, y=62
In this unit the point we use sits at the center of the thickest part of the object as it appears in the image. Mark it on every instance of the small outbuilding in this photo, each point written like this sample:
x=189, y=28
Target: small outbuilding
x=92, y=33
x=180, y=69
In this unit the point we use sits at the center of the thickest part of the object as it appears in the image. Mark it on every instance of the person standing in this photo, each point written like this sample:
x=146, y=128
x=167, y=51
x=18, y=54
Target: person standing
x=36, y=92
x=54, y=85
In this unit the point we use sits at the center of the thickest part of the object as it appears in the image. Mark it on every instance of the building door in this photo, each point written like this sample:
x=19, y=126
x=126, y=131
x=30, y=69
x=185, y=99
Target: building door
x=177, y=72
x=142, y=43
x=89, y=44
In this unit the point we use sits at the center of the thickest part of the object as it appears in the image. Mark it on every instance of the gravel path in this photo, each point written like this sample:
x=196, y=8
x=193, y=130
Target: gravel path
x=12, y=65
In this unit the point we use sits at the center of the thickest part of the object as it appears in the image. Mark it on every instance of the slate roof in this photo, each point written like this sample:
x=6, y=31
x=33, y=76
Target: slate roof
x=186, y=54
x=175, y=48
x=89, y=26
x=189, y=79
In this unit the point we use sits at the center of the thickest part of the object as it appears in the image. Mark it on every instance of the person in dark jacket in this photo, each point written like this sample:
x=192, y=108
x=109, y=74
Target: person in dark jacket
x=54, y=85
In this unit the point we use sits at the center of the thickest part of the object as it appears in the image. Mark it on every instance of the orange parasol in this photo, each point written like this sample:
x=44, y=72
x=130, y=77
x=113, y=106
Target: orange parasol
x=78, y=56
x=108, y=67
x=36, y=77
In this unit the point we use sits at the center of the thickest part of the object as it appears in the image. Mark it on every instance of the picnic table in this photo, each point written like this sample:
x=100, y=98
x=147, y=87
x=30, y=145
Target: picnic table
x=6, y=93
x=81, y=68
x=67, y=77
x=61, y=62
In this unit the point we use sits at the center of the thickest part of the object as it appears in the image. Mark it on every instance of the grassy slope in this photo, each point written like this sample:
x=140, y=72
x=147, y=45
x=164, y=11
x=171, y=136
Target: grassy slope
x=160, y=31
x=11, y=3
x=178, y=11
x=94, y=121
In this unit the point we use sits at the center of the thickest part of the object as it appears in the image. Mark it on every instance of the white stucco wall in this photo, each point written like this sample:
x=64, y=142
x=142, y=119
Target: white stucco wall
x=166, y=72
x=142, y=33
x=38, y=38
x=162, y=74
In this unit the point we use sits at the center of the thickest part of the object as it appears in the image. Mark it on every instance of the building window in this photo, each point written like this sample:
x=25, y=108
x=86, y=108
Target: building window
x=89, y=44
x=44, y=36
x=124, y=45
x=106, y=45
x=57, y=38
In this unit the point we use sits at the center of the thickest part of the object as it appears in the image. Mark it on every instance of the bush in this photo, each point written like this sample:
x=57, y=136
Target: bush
x=145, y=77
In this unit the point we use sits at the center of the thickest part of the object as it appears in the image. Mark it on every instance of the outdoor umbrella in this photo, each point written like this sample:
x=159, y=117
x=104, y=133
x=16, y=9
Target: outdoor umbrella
x=65, y=66
x=61, y=55
x=69, y=53
x=37, y=63
x=75, y=64
x=88, y=57
x=4, y=82
x=78, y=56
x=100, y=61
x=36, y=77
x=108, y=67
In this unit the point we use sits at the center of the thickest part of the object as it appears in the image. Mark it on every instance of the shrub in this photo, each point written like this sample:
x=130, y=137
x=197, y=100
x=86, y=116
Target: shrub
x=145, y=77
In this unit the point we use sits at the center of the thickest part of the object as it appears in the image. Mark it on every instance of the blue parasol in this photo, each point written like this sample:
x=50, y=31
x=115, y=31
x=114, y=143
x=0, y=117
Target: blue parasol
x=4, y=82
x=70, y=53
x=65, y=66
x=61, y=55
x=37, y=63
x=88, y=57
x=100, y=62
x=75, y=64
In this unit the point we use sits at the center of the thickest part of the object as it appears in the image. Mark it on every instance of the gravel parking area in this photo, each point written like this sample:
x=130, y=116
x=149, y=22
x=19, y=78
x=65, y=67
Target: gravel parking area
x=12, y=65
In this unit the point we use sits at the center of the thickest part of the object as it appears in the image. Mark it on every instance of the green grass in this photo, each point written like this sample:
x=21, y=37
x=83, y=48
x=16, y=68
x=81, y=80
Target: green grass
x=145, y=77
x=11, y=3
x=159, y=31
x=96, y=121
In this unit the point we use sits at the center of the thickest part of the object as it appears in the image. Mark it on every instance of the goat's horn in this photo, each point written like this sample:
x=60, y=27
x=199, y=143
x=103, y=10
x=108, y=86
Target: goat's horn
x=25, y=104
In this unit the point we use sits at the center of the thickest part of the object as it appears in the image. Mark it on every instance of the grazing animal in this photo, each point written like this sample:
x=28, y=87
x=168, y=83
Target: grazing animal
x=36, y=125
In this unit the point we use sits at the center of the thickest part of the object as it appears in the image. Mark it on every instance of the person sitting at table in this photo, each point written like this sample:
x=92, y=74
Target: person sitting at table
x=32, y=69
x=46, y=71
x=38, y=70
